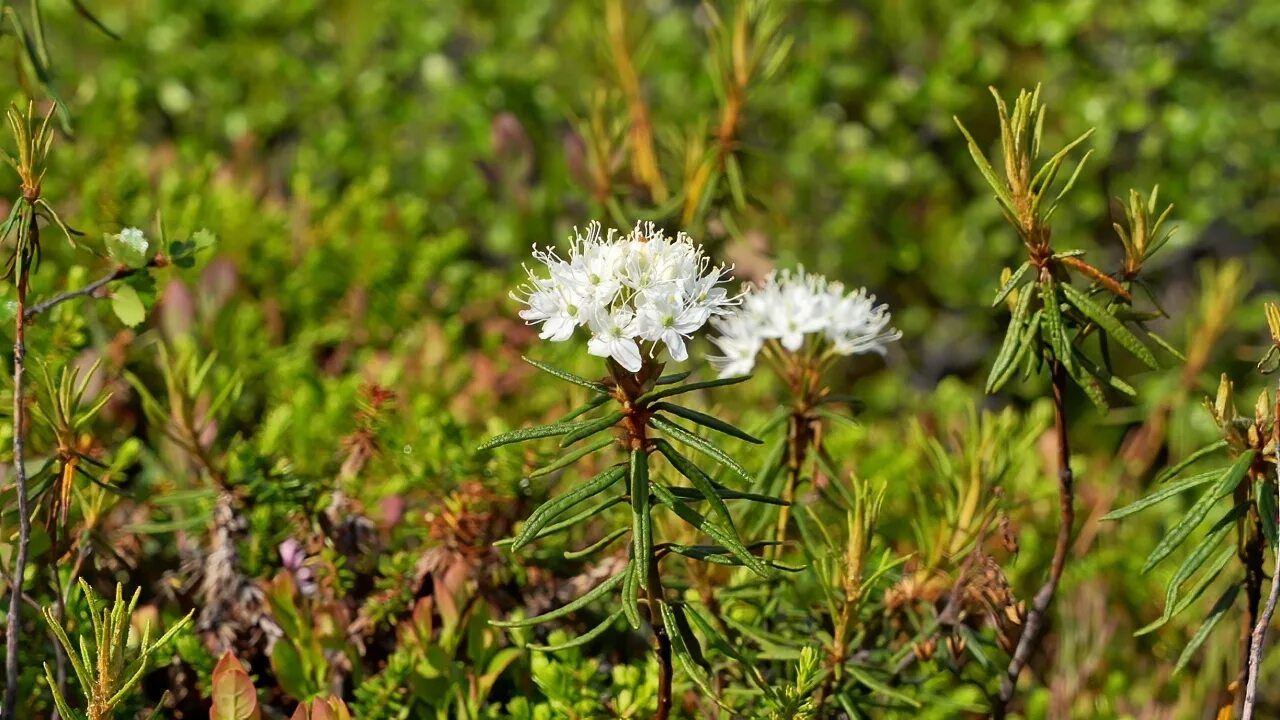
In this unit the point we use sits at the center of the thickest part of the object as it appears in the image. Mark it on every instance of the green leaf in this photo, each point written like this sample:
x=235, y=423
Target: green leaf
x=1013, y=339
x=1163, y=493
x=1110, y=325
x=691, y=495
x=680, y=651
x=707, y=421
x=551, y=509
x=869, y=680
x=998, y=186
x=591, y=427
x=720, y=534
x=85, y=13
x=531, y=433
x=1220, y=608
x=1014, y=281
x=653, y=395
x=582, y=639
x=641, y=519
x=1197, y=590
x=631, y=592
x=1189, y=460
x=567, y=376
x=1267, y=509
x=128, y=306
x=685, y=437
x=587, y=407
x=594, y=594
x=1054, y=327
x=569, y=521
x=571, y=458
x=673, y=378
x=1199, y=510
x=719, y=555
x=597, y=545
x=700, y=481
x=1189, y=566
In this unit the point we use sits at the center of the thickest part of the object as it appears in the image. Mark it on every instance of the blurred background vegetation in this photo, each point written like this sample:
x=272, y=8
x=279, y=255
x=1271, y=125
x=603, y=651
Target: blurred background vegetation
x=376, y=172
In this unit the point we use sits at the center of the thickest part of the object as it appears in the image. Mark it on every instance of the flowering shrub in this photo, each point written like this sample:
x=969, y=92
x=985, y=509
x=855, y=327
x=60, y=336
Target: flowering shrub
x=240, y=479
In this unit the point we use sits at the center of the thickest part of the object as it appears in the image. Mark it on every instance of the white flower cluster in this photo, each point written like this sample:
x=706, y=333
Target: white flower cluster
x=790, y=306
x=642, y=287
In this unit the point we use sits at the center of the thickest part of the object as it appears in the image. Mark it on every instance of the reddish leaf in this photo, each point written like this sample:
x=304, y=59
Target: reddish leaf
x=234, y=697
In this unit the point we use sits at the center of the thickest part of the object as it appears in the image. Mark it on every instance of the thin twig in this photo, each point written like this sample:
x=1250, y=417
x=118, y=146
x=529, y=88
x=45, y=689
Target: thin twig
x=20, y=482
x=119, y=273
x=1038, y=615
x=1260, y=629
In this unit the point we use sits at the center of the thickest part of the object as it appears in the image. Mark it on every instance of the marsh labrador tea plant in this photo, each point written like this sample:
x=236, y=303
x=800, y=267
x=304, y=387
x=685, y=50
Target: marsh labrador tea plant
x=798, y=324
x=1052, y=319
x=642, y=296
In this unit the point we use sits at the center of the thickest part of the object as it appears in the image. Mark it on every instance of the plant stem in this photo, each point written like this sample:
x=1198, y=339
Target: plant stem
x=118, y=274
x=798, y=441
x=1038, y=615
x=1259, y=630
x=20, y=482
x=662, y=643
x=1252, y=554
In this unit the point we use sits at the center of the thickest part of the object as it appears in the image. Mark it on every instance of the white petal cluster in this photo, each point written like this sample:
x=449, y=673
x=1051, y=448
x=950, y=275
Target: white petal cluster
x=635, y=293
x=791, y=307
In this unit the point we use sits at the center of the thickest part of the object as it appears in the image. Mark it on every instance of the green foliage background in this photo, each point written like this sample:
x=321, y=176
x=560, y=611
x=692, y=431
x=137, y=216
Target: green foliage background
x=377, y=170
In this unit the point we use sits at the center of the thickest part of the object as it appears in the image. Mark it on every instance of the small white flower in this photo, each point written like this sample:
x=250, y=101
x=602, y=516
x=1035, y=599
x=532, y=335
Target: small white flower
x=611, y=336
x=626, y=289
x=135, y=239
x=739, y=341
x=796, y=308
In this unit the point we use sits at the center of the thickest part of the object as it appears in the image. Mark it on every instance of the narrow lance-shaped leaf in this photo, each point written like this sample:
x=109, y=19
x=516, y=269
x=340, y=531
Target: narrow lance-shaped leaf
x=595, y=593
x=719, y=555
x=1199, y=510
x=1014, y=281
x=1220, y=608
x=1012, y=338
x=591, y=427
x=1267, y=510
x=1189, y=567
x=1206, y=579
x=597, y=545
x=700, y=481
x=1054, y=328
x=720, y=534
x=1163, y=493
x=654, y=395
x=692, y=495
x=988, y=173
x=549, y=510
x=1190, y=460
x=707, y=421
x=1110, y=325
x=582, y=639
x=680, y=650
x=567, y=376
x=530, y=433
x=685, y=437
x=571, y=458
x=569, y=521
x=586, y=407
